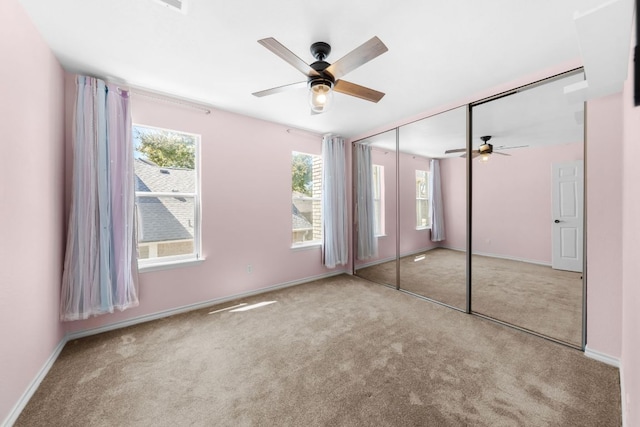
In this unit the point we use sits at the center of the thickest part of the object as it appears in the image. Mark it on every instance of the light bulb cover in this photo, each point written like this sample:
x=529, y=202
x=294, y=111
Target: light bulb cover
x=320, y=94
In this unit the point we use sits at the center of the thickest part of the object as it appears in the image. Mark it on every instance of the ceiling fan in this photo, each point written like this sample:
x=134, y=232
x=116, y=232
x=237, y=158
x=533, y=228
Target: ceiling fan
x=484, y=150
x=324, y=78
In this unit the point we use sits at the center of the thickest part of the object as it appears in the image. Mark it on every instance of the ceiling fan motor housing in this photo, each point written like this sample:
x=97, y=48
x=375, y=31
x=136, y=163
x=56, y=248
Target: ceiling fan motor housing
x=323, y=78
x=320, y=50
x=485, y=148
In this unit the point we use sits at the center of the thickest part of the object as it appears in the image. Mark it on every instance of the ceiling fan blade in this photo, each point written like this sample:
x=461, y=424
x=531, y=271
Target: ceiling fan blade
x=474, y=153
x=357, y=57
x=280, y=89
x=509, y=148
x=502, y=154
x=457, y=150
x=358, y=91
x=278, y=48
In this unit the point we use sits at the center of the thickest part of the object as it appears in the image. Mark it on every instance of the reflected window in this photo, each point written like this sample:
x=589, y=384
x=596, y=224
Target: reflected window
x=378, y=198
x=423, y=219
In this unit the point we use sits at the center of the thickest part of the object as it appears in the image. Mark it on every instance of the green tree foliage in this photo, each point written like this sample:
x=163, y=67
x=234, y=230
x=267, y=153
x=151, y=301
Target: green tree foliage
x=301, y=170
x=167, y=149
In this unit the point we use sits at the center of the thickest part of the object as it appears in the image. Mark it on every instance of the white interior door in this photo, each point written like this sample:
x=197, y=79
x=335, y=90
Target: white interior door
x=568, y=216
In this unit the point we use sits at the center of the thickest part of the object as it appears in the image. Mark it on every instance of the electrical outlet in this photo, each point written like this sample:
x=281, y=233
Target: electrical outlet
x=249, y=268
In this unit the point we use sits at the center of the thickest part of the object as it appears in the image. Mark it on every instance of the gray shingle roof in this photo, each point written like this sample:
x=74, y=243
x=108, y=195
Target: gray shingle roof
x=299, y=221
x=164, y=218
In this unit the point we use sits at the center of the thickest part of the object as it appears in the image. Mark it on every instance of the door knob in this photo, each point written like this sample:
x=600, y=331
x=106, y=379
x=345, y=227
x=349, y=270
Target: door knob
x=557, y=221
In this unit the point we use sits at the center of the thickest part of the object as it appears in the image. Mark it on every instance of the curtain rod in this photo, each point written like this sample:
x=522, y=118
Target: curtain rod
x=166, y=98
x=304, y=133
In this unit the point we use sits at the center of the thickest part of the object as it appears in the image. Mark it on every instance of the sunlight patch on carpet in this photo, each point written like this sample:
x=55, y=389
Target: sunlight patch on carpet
x=252, y=306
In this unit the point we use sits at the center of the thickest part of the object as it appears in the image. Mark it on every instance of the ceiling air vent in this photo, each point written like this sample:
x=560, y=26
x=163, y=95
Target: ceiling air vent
x=178, y=5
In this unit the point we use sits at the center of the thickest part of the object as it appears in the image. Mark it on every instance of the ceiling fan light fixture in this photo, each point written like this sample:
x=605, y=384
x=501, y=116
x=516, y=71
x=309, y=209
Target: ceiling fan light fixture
x=320, y=94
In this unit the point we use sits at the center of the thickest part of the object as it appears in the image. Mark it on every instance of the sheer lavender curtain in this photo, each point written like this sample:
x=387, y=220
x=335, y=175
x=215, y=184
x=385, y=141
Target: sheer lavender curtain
x=100, y=268
x=437, y=211
x=365, y=216
x=334, y=202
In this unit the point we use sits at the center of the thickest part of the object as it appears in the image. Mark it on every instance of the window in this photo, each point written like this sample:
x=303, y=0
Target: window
x=306, y=198
x=378, y=199
x=167, y=195
x=423, y=220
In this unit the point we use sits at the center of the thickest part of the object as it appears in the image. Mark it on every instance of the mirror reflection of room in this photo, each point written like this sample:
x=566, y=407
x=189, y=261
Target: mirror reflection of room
x=429, y=255
x=375, y=208
x=527, y=211
x=432, y=204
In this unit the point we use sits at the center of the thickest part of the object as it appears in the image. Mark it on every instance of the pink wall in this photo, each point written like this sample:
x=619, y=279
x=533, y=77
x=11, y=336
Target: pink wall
x=31, y=203
x=630, y=370
x=453, y=175
x=604, y=224
x=246, y=210
x=512, y=202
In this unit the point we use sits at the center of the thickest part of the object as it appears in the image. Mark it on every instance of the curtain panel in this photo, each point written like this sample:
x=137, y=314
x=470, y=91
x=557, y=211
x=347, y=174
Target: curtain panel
x=365, y=210
x=334, y=202
x=100, y=269
x=437, y=211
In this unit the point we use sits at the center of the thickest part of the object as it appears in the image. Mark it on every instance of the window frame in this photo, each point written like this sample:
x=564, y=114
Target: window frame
x=314, y=242
x=159, y=263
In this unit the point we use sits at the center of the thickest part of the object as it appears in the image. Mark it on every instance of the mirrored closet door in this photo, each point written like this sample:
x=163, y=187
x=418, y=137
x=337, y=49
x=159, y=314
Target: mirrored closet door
x=432, y=210
x=527, y=210
x=510, y=168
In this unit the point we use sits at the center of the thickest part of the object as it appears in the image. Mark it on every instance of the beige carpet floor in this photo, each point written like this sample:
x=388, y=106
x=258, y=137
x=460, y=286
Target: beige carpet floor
x=336, y=352
x=530, y=296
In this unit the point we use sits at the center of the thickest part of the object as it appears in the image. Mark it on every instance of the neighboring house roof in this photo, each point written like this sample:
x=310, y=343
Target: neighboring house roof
x=164, y=218
x=302, y=203
x=299, y=221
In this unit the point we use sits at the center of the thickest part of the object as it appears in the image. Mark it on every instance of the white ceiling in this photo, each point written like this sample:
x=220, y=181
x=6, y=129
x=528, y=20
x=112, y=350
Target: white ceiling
x=440, y=52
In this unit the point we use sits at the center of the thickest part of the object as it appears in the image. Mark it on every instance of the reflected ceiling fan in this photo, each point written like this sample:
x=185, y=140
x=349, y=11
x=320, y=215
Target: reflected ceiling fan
x=484, y=151
x=324, y=78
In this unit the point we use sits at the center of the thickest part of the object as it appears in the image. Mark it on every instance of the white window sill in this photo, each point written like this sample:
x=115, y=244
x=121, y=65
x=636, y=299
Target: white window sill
x=169, y=265
x=423, y=228
x=381, y=235
x=305, y=246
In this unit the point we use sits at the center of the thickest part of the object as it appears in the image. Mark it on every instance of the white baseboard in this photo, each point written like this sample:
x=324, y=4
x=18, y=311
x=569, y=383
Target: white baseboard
x=602, y=357
x=393, y=258
x=507, y=257
x=196, y=306
x=26, y=396
x=512, y=258
x=376, y=262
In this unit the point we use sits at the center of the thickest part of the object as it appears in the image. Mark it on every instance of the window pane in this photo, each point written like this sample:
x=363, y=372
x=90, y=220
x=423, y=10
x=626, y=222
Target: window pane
x=165, y=160
x=378, y=198
x=422, y=213
x=421, y=184
x=422, y=199
x=378, y=216
x=306, y=200
x=165, y=163
x=165, y=226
